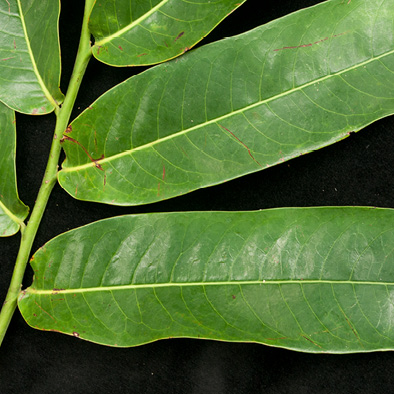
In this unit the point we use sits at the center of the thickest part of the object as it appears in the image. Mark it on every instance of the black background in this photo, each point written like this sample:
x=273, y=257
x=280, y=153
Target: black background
x=356, y=171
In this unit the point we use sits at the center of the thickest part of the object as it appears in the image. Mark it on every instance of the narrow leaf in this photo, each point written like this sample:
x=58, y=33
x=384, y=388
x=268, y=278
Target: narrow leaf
x=130, y=33
x=30, y=55
x=315, y=280
x=237, y=106
x=12, y=211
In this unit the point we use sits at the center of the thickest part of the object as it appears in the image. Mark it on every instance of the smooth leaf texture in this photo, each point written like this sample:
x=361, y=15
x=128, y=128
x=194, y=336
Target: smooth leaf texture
x=130, y=33
x=12, y=210
x=315, y=280
x=30, y=55
x=236, y=106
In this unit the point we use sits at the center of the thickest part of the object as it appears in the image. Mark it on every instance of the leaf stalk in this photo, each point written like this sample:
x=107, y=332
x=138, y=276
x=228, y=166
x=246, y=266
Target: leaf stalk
x=29, y=231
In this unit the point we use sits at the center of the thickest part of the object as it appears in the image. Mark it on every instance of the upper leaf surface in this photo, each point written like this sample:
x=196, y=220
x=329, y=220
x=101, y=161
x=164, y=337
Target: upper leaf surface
x=30, y=55
x=131, y=33
x=12, y=210
x=236, y=106
x=315, y=279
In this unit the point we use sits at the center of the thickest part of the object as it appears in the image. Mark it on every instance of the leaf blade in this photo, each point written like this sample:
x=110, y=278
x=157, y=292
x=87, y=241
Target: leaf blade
x=314, y=279
x=30, y=56
x=214, y=114
x=12, y=211
x=149, y=32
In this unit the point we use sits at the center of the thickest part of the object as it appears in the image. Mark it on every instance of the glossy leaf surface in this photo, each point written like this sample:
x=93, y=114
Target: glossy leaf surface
x=236, y=106
x=30, y=55
x=12, y=210
x=314, y=279
x=148, y=32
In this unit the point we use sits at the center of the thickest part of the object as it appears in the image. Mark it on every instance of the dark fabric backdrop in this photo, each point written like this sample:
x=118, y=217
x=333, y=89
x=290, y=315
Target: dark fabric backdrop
x=356, y=171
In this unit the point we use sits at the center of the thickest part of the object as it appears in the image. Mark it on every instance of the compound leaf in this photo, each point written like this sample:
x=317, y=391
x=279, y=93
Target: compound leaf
x=130, y=33
x=309, y=279
x=30, y=55
x=236, y=106
x=12, y=211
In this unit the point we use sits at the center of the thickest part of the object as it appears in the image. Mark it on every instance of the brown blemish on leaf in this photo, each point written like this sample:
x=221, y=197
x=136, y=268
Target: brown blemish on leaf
x=120, y=47
x=52, y=329
x=76, y=334
x=164, y=173
x=311, y=43
x=95, y=161
x=354, y=331
x=22, y=296
x=9, y=6
x=142, y=54
x=69, y=129
x=95, y=140
x=310, y=340
x=179, y=36
x=7, y=58
x=250, y=153
x=183, y=151
x=45, y=312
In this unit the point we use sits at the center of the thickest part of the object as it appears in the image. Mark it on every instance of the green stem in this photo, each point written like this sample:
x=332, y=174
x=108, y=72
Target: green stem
x=29, y=231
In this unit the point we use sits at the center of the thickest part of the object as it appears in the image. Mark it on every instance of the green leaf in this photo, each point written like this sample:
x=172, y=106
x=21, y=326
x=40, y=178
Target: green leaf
x=312, y=279
x=12, y=211
x=236, y=106
x=130, y=33
x=30, y=55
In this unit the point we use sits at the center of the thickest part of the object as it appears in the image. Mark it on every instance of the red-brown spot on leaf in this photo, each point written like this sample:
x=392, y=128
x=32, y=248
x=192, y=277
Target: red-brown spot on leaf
x=179, y=36
x=250, y=153
x=310, y=44
x=95, y=161
x=45, y=312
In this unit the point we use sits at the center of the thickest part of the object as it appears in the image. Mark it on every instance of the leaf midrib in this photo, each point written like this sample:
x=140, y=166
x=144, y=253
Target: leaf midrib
x=10, y=214
x=31, y=290
x=223, y=117
x=45, y=90
x=130, y=25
